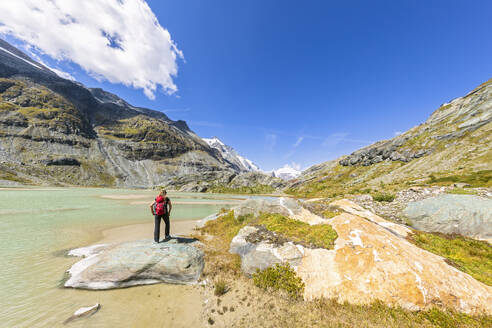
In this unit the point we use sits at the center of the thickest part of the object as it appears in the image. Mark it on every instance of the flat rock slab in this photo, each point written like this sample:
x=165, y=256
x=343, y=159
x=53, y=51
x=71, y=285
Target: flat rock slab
x=467, y=215
x=133, y=263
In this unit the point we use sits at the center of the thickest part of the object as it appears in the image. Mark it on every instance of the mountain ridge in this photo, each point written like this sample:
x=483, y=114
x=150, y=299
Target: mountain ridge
x=57, y=131
x=452, y=145
x=232, y=155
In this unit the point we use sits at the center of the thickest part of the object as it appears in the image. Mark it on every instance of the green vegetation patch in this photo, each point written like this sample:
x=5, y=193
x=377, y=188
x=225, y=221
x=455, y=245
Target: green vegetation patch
x=333, y=314
x=258, y=189
x=461, y=191
x=280, y=277
x=328, y=214
x=319, y=235
x=468, y=255
x=383, y=197
x=474, y=179
x=220, y=288
x=40, y=106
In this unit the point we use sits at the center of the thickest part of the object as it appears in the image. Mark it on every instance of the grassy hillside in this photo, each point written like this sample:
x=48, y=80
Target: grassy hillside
x=452, y=146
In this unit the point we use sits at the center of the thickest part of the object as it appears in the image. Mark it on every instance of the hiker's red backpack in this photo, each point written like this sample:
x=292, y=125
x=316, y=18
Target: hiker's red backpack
x=160, y=206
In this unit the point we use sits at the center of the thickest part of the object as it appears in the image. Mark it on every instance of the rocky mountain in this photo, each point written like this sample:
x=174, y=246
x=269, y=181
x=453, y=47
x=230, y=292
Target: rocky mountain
x=452, y=146
x=231, y=155
x=57, y=131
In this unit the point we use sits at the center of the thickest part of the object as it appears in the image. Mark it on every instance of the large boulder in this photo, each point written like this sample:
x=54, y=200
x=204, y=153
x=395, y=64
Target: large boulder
x=135, y=263
x=467, y=215
x=372, y=260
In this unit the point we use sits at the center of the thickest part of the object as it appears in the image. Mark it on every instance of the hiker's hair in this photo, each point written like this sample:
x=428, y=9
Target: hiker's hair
x=163, y=191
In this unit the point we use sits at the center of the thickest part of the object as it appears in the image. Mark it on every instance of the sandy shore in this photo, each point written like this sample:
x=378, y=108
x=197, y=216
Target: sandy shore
x=125, y=197
x=174, y=202
x=145, y=231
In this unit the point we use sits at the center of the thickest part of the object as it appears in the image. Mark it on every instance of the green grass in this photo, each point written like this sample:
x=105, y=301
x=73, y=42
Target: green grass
x=41, y=107
x=461, y=191
x=383, y=197
x=5, y=175
x=328, y=214
x=220, y=288
x=280, y=277
x=474, y=179
x=468, y=255
x=258, y=189
x=319, y=235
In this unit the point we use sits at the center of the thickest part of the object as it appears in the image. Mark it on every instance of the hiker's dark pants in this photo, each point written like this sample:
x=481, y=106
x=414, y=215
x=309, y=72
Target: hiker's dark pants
x=157, y=225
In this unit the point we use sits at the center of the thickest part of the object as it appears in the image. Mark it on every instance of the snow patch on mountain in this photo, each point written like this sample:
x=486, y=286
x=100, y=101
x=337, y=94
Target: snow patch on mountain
x=231, y=155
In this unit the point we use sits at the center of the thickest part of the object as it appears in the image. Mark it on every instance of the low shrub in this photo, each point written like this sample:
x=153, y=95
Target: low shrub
x=383, y=197
x=280, y=277
x=220, y=288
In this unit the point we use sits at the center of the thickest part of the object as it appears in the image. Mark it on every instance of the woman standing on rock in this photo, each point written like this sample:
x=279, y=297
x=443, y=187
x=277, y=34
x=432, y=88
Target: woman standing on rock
x=161, y=209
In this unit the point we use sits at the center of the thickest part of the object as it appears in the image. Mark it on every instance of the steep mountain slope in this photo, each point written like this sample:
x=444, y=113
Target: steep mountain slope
x=231, y=155
x=53, y=130
x=453, y=145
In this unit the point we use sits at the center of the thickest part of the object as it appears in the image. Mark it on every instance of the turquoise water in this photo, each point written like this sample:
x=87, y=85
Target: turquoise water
x=38, y=225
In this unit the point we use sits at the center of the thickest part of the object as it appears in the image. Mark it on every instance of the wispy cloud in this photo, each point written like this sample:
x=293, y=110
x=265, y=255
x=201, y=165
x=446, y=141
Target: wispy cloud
x=270, y=141
x=117, y=41
x=397, y=133
x=334, y=139
x=298, y=141
x=337, y=138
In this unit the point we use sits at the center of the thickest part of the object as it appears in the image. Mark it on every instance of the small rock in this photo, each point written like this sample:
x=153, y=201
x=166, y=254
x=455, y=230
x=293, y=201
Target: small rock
x=84, y=312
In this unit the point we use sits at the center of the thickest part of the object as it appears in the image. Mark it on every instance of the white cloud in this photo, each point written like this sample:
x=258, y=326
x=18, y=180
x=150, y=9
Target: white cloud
x=293, y=165
x=337, y=138
x=270, y=141
x=298, y=141
x=120, y=41
x=397, y=133
x=334, y=139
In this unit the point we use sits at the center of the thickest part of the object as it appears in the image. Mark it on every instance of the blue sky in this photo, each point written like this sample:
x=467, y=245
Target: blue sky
x=305, y=82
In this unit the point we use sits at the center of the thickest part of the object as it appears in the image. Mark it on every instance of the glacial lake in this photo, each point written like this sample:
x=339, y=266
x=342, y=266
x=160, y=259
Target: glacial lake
x=37, y=227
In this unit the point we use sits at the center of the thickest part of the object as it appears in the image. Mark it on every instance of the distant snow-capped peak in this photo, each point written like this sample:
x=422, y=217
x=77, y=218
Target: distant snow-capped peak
x=287, y=172
x=231, y=155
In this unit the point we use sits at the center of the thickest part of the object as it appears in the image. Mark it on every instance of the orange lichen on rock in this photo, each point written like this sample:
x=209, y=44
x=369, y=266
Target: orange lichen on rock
x=373, y=261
